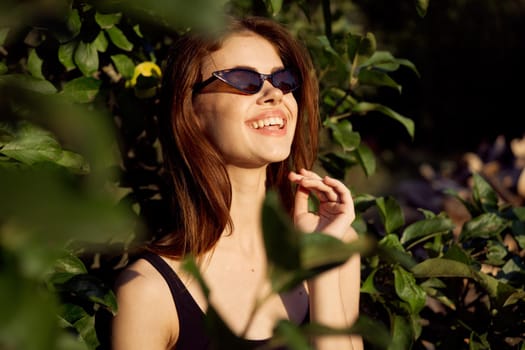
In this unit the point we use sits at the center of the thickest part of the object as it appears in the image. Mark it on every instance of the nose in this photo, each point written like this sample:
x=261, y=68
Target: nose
x=270, y=94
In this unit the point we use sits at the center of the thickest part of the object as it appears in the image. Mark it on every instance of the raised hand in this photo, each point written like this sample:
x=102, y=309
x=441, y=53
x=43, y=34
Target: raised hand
x=336, y=207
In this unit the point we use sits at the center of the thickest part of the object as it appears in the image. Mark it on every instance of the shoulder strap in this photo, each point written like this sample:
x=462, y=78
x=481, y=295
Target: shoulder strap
x=192, y=332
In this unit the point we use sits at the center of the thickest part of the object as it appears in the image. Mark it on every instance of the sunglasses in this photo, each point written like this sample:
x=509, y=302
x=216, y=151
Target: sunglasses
x=250, y=82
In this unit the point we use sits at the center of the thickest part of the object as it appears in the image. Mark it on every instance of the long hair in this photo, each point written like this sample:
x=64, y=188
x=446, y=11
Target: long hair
x=201, y=186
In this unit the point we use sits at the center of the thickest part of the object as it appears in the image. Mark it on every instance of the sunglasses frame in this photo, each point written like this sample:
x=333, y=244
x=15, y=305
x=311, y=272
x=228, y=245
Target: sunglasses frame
x=220, y=75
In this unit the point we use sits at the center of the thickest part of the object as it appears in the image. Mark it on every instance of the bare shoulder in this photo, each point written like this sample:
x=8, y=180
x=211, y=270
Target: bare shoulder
x=146, y=316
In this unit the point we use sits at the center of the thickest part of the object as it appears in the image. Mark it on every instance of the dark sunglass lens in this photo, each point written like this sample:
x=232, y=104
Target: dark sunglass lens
x=285, y=80
x=244, y=80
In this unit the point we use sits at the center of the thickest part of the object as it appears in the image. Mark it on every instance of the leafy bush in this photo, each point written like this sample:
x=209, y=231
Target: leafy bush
x=76, y=199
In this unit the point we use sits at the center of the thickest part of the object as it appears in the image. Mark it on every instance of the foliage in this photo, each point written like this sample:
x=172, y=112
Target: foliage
x=76, y=199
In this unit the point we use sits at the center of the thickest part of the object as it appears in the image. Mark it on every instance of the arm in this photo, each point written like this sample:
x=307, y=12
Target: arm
x=334, y=295
x=145, y=311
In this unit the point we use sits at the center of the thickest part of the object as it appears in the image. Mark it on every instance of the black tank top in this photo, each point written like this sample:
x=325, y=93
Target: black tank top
x=192, y=332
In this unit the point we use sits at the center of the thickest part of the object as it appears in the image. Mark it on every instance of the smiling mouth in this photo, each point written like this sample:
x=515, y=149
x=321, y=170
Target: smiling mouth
x=268, y=122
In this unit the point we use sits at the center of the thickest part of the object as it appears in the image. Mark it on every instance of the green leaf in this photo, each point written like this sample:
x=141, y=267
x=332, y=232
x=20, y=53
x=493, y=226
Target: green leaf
x=34, y=64
x=326, y=45
x=391, y=213
x=376, y=78
x=100, y=43
x=438, y=267
x=344, y=135
x=119, y=39
x=3, y=35
x=381, y=59
x=106, y=21
x=486, y=225
x=320, y=250
x=189, y=264
x=408, y=290
x=75, y=162
x=86, y=328
x=73, y=28
x=281, y=239
x=364, y=107
x=402, y=334
x=367, y=47
x=393, y=252
x=274, y=6
x=291, y=335
x=336, y=163
x=3, y=68
x=74, y=23
x=70, y=263
x=483, y=194
x=86, y=58
x=425, y=229
x=496, y=253
x=89, y=288
x=366, y=158
x=422, y=7
x=124, y=65
x=31, y=145
x=82, y=89
x=385, y=61
x=65, y=55
x=136, y=29
x=368, y=285
x=28, y=82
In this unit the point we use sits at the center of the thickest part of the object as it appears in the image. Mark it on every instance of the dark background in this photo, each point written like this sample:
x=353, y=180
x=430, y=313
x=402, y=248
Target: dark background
x=471, y=57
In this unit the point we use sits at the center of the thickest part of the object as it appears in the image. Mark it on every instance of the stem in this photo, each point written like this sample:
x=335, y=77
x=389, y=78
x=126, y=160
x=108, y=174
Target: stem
x=327, y=16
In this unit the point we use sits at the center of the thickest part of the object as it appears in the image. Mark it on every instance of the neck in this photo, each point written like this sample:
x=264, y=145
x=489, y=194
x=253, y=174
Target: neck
x=248, y=191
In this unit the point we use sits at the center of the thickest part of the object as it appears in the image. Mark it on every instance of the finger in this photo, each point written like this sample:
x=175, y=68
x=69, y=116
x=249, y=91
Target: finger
x=301, y=195
x=324, y=192
x=343, y=193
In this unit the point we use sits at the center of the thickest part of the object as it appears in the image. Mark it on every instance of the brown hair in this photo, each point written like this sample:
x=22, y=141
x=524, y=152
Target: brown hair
x=202, y=189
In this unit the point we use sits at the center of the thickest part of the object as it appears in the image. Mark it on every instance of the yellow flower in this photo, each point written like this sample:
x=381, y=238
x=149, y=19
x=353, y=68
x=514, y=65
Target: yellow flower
x=146, y=69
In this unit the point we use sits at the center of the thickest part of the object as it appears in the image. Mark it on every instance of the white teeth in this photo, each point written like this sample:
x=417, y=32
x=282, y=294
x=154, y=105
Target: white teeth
x=267, y=122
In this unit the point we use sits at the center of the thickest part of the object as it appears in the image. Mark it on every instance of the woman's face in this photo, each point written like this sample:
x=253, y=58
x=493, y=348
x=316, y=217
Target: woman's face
x=248, y=130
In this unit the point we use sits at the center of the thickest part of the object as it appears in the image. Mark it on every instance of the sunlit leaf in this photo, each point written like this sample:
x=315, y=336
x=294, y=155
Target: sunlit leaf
x=106, y=21
x=484, y=226
x=32, y=144
x=86, y=58
x=119, y=38
x=422, y=7
x=65, y=55
x=319, y=249
x=28, y=82
x=408, y=290
x=392, y=251
x=124, y=65
x=437, y=267
x=377, y=78
x=366, y=158
x=364, y=107
x=100, y=42
x=86, y=328
x=425, y=229
x=281, y=239
x=391, y=213
x=82, y=89
x=402, y=334
x=274, y=6
x=344, y=135
x=3, y=35
x=34, y=64
x=484, y=194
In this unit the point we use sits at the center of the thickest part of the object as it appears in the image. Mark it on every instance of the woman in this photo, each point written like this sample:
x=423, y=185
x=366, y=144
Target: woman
x=240, y=112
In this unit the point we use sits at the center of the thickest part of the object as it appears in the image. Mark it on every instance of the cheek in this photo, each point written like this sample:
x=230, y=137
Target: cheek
x=204, y=113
